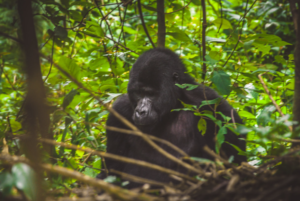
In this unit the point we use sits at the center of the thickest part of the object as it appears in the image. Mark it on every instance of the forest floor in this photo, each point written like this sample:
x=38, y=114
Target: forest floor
x=276, y=180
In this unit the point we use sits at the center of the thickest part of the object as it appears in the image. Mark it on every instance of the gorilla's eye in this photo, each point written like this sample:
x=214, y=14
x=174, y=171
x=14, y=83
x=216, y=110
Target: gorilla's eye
x=175, y=77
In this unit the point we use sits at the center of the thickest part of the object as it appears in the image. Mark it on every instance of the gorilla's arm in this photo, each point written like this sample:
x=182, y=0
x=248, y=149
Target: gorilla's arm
x=117, y=143
x=195, y=97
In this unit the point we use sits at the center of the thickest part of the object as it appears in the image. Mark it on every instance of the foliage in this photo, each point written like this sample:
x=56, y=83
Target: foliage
x=97, y=42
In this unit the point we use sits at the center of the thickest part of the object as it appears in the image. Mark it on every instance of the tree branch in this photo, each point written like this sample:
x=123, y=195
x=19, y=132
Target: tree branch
x=143, y=23
x=114, y=191
x=10, y=37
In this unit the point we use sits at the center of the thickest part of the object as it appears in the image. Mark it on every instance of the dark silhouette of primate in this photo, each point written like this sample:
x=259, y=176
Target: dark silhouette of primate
x=152, y=94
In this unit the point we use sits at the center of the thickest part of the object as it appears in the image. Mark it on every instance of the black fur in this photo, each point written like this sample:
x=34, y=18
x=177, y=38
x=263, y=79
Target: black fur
x=154, y=76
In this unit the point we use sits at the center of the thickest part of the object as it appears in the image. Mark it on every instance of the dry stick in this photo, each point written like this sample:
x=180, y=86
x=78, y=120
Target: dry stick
x=131, y=132
x=216, y=156
x=128, y=123
x=115, y=191
x=271, y=97
x=276, y=160
x=139, y=179
x=143, y=23
x=117, y=157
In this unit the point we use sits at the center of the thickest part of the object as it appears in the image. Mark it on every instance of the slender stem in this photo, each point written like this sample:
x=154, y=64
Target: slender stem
x=204, y=25
x=143, y=23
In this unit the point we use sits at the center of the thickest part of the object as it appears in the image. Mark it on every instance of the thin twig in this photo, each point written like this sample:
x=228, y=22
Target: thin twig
x=52, y=51
x=204, y=25
x=271, y=97
x=180, y=8
x=118, y=158
x=115, y=191
x=139, y=179
x=10, y=37
x=225, y=162
x=121, y=44
x=143, y=23
x=240, y=31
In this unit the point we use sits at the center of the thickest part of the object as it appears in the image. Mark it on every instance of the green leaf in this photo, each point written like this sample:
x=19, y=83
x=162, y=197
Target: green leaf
x=240, y=152
x=210, y=39
x=246, y=114
x=69, y=97
x=179, y=35
x=70, y=66
x=225, y=23
x=97, y=163
x=202, y=126
x=6, y=182
x=188, y=87
x=24, y=178
x=210, y=102
x=222, y=81
x=129, y=30
x=150, y=8
x=197, y=2
x=90, y=172
x=61, y=32
x=75, y=15
x=90, y=138
x=15, y=125
x=94, y=28
x=202, y=160
x=220, y=138
x=100, y=64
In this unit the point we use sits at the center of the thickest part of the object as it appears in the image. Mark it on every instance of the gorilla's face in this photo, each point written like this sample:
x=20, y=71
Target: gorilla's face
x=145, y=112
x=151, y=88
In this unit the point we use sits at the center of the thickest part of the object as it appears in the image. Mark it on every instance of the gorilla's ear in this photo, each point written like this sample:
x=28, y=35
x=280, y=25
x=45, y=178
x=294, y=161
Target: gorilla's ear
x=175, y=77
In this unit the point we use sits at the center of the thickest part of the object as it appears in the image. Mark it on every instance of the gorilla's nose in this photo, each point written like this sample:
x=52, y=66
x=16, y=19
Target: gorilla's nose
x=140, y=113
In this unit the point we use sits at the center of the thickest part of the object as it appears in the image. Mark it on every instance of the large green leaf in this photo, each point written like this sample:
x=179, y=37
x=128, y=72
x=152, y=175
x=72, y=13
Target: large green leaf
x=70, y=66
x=24, y=178
x=101, y=65
x=220, y=138
x=222, y=81
x=69, y=97
x=6, y=182
x=225, y=23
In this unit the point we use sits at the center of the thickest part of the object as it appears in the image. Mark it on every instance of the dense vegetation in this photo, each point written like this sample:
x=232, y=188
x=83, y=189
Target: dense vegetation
x=244, y=49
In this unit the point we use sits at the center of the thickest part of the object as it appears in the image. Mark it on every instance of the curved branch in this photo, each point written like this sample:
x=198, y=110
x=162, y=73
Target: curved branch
x=143, y=23
x=246, y=11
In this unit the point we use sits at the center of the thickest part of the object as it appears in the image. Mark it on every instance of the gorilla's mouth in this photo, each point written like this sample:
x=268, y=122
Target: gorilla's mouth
x=148, y=119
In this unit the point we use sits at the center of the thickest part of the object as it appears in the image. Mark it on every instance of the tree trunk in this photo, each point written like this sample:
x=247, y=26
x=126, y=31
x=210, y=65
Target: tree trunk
x=296, y=20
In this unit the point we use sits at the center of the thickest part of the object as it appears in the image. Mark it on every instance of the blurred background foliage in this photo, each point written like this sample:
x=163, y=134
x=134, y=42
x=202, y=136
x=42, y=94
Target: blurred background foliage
x=98, y=41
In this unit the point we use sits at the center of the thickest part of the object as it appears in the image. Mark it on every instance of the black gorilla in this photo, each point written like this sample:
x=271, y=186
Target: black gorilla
x=152, y=94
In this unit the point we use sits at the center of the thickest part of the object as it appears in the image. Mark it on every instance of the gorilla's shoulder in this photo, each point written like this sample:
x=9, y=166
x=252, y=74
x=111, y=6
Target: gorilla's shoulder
x=122, y=105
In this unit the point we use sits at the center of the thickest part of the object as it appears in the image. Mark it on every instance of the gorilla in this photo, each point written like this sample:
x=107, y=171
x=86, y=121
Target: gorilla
x=152, y=95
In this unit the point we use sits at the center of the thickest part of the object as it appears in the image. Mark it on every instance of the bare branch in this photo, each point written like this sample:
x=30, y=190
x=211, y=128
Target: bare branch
x=118, y=158
x=115, y=191
x=143, y=23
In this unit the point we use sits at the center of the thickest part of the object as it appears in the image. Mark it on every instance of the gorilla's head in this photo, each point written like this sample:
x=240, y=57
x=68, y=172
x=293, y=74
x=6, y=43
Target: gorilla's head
x=151, y=88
